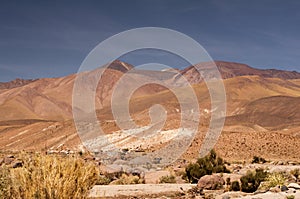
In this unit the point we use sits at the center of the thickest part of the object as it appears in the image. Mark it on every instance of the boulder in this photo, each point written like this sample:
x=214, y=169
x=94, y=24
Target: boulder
x=294, y=186
x=211, y=182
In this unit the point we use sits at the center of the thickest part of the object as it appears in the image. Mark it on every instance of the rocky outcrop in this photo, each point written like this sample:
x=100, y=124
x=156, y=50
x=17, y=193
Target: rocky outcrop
x=211, y=182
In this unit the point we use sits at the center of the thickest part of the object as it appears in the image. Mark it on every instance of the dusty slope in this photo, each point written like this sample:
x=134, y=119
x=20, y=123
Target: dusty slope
x=231, y=69
x=263, y=116
x=247, y=131
x=51, y=98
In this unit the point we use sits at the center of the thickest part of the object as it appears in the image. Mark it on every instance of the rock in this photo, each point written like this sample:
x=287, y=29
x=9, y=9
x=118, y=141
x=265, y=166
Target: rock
x=275, y=189
x=280, y=163
x=291, y=191
x=226, y=197
x=1, y=161
x=211, y=182
x=17, y=164
x=8, y=160
x=112, y=168
x=232, y=194
x=294, y=185
x=292, y=179
x=263, y=188
x=284, y=188
x=136, y=172
x=293, y=163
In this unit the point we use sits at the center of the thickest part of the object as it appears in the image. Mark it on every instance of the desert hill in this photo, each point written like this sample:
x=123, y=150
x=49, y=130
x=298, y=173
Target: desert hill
x=38, y=115
x=231, y=69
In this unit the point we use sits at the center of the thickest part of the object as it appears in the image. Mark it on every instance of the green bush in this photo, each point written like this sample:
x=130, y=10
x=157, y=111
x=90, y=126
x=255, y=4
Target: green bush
x=205, y=166
x=235, y=186
x=251, y=181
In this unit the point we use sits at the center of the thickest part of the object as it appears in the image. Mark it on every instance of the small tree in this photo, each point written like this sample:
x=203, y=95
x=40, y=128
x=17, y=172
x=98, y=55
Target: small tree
x=205, y=166
x=251, y=181
x=235, y=186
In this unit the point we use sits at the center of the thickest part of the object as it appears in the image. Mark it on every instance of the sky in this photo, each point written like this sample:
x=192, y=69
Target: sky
x=51, y=38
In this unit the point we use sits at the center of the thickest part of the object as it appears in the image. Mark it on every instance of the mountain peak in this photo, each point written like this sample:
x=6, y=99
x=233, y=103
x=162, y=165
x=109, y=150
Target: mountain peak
x=15, y=83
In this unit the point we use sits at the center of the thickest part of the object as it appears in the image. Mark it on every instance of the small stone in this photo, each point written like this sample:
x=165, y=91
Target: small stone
x=293, y=163
x=284, y=188
x=17, y=164
x=275, y=189
x=294, y=185
x=263, y=188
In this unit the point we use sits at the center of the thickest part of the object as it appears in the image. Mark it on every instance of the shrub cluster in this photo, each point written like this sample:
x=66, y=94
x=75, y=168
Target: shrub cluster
x=167, y=179
x=274, y=179
x=251, y=181
x=258, y=160
x=235, y=186
x=205, y=166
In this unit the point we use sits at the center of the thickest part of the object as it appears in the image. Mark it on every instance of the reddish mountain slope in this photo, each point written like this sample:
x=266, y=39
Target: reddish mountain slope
x=230, y=69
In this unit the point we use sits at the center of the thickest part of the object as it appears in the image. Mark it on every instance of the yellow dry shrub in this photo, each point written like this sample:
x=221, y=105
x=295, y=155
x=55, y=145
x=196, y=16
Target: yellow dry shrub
x=49, y=176
x=128, y=179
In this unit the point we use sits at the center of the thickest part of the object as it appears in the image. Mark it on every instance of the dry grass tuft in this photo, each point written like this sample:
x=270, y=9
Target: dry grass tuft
x=274, y=179
x=49, y=176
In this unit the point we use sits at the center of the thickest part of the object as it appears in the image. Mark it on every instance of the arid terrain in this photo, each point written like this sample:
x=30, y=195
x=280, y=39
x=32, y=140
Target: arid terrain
x=262, y=121
x=262, y=110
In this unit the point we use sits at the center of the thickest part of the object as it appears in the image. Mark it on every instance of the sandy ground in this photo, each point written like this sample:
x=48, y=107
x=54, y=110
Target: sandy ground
x=100, y=191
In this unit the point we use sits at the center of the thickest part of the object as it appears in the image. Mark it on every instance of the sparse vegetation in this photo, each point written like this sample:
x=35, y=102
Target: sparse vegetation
x=290, y=197
x=235, y=186
x=274, y=179
x=205, y=166
x=48, y=176
x=258, y=160
x=295, y=173
x=167, y=179
x=6, y=184
x=103, y=180
x=251, y=181
x=128, y=179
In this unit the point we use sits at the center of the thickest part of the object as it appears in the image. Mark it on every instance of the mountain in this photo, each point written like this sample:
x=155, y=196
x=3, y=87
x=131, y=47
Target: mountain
x=15, y=83
x=51, y=98
x=262, y=109
x=270, y=112
x=231, y=69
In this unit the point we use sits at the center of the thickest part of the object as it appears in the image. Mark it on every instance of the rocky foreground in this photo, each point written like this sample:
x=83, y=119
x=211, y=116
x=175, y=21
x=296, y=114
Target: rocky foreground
x=211, y=186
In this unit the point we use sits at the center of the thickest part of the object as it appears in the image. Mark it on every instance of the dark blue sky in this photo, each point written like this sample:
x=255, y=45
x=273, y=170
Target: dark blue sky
x=51, y=38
